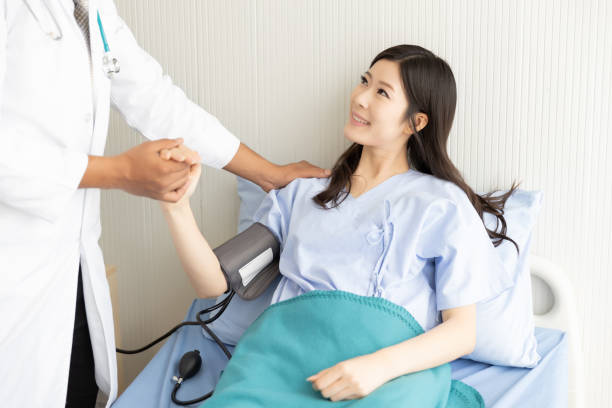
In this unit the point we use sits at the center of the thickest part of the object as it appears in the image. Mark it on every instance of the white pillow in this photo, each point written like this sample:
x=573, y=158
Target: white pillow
x=504, y=324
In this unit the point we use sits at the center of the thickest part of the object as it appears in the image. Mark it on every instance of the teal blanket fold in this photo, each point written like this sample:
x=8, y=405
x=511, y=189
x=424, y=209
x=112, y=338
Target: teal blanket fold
x=297, y=338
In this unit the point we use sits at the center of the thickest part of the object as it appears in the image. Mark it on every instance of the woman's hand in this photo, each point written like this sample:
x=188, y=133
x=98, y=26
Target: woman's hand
x=194, y=176
x=182, y=154
x=350, y=379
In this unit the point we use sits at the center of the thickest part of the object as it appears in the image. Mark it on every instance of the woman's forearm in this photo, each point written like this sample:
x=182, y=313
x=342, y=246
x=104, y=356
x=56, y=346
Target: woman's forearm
x=197, y=258
x=453, y=338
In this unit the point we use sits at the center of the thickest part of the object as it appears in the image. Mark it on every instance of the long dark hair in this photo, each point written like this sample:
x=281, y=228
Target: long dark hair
x=430, y=88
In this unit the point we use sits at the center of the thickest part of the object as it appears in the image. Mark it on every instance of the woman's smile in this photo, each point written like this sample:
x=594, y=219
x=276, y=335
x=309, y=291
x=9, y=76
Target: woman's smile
x=357, y=120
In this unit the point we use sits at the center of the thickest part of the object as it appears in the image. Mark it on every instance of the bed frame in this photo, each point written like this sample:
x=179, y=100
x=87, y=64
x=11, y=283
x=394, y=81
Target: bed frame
x=562, y=316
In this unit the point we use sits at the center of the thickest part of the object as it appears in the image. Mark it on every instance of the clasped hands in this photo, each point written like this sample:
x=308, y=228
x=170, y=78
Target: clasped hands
x=159, y=169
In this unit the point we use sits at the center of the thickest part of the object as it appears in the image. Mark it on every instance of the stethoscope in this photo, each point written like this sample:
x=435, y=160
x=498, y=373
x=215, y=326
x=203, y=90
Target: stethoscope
x=109, y=61
x=50, y=26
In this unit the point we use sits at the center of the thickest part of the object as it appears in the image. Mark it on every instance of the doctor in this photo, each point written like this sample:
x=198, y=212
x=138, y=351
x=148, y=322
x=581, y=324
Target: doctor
x=59, y=71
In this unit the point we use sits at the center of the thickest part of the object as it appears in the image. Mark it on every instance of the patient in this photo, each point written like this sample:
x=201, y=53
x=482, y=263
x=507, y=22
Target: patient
x=395, y=220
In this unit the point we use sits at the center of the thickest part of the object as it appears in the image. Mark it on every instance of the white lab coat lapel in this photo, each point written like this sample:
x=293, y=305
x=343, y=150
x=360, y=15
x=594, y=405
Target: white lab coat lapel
x=95, y=285
x=100, y=81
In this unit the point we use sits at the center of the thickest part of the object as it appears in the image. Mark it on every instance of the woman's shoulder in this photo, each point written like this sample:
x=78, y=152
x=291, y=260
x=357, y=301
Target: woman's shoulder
x=433, y=198
x=303, y=185
x=434, y=189
x=445, y=213
x=300, y=188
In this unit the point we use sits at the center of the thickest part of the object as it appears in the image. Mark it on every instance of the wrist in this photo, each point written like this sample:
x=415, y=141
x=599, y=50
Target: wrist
x=387, y=358
x=118, y=171
x=102, y=172
x=175, y=209
x=270, y=176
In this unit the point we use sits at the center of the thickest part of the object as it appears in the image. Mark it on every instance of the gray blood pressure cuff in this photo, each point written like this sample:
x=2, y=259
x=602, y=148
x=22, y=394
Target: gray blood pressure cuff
x=249, y=261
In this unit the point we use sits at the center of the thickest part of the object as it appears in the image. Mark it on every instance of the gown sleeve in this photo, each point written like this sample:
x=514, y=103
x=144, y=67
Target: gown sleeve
x=467, y=268
x=275, y=210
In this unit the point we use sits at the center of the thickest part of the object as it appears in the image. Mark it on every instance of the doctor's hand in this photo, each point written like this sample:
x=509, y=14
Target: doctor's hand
x=350, y=379
x=142, y=171
x=284, y=175
x=248, y=164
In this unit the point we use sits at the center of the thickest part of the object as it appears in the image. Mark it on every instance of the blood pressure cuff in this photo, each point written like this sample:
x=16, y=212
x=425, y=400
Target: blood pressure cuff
x=249, y=261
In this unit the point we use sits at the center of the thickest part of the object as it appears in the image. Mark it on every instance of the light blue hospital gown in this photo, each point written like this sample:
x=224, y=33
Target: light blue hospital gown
x=414, y=240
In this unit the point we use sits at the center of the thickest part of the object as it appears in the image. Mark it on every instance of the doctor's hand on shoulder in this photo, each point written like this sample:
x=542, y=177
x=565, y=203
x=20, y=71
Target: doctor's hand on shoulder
x=142, y=171
x=269, y=176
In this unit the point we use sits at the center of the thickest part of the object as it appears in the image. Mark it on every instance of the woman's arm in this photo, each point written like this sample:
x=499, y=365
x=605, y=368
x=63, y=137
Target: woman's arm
x=197, y=258
x=357, y=377
x=454, y=338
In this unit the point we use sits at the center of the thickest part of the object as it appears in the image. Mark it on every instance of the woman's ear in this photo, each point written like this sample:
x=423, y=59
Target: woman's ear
x=420, y=121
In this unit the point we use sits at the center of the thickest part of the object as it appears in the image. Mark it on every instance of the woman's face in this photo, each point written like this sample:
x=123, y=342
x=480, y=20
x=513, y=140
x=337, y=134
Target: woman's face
x=378, y=108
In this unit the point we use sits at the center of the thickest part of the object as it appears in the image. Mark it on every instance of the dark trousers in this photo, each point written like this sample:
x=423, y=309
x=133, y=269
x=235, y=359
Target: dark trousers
x=82, y=388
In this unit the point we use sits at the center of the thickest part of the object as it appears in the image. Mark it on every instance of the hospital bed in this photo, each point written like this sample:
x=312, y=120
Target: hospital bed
x=561, y=316
x=557, y=380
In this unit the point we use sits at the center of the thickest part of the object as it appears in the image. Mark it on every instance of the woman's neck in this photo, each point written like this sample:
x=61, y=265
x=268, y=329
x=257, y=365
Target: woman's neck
x=376, y=166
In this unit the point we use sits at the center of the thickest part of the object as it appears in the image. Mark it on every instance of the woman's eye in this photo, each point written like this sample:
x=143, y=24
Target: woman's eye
x=383, y=93
x=364, y=81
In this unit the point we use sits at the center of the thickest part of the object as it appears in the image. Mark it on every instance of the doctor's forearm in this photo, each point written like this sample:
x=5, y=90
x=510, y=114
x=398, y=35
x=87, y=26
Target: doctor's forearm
x=251, y=166
x=248, y=164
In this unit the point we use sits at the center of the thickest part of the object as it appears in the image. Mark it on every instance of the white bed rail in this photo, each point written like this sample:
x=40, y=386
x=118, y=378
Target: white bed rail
x=562, y=316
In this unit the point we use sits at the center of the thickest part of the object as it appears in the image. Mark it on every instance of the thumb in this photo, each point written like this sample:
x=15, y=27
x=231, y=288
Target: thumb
x=176, y=195
x=166, y=143
x=313, y=171
x=196, y=170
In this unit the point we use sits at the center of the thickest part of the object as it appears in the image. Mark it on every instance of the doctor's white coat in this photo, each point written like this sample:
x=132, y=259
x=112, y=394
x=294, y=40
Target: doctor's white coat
x=53, y=113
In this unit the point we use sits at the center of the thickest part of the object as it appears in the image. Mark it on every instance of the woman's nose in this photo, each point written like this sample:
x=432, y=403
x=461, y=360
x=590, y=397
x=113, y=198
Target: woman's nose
x=361, y=98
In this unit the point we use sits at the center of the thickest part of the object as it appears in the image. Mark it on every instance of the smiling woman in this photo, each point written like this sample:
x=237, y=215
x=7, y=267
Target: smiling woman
x=395, y=222
x=405, y=104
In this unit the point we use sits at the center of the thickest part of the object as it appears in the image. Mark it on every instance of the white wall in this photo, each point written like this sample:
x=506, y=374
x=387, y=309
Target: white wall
x=534, y=83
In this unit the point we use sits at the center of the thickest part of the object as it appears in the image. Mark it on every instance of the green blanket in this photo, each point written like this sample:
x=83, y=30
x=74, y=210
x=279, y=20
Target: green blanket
x=299, y=337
